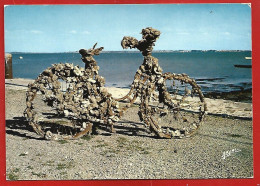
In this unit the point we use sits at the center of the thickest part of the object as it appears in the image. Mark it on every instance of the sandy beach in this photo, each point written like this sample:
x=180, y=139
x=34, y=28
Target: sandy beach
x=222, y=147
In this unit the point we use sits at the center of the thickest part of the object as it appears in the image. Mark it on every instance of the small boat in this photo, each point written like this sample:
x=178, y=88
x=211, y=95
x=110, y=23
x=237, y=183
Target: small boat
x=243, y=66
x=21, y=57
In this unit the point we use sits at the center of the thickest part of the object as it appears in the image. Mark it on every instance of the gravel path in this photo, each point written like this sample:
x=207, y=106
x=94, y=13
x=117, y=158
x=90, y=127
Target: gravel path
x=222, y=148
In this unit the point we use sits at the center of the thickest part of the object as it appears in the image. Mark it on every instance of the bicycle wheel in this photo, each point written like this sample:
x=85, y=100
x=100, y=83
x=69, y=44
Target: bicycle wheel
x=55, y=103
x=176, y=108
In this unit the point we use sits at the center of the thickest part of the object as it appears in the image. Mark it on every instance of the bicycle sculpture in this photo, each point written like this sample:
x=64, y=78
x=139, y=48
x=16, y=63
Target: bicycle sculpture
x=171, y=105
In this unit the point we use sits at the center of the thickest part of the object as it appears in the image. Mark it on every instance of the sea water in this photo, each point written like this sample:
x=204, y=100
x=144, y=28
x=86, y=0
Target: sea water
x=213, y=71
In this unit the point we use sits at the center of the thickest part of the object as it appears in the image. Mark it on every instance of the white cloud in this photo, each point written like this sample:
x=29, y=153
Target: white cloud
x=73, y=32
x=36, y=31
x=86, y=32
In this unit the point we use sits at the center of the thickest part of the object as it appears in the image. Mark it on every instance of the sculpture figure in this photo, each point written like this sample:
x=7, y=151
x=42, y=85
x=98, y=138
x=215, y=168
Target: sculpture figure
x=171, y=105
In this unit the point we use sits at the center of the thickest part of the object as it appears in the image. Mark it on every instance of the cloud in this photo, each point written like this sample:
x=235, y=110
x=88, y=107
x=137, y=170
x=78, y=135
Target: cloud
x=86, y=32
x=36, y=31
x=73, y=32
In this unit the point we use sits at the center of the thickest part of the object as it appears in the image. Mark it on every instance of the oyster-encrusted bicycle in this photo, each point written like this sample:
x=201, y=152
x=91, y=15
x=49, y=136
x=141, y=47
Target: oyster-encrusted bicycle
x=170, y=105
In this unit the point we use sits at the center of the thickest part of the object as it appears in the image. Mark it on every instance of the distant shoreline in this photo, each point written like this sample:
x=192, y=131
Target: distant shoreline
x=126, y=51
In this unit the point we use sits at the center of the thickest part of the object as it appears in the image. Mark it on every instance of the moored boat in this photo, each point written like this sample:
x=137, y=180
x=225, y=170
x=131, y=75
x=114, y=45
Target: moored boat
x=243, y=66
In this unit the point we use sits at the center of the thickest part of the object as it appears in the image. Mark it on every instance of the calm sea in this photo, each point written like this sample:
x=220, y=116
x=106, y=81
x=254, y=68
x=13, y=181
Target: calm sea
x=214, y=71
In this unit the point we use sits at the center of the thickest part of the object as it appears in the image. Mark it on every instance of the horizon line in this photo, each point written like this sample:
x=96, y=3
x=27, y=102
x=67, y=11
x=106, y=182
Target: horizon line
x=135, y=51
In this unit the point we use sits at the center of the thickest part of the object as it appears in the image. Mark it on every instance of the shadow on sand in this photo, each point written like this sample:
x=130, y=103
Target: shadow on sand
x=20, y=123
x=18, y=126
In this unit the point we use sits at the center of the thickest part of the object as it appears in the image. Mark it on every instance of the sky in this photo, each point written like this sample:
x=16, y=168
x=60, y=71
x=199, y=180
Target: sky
x=64, y=28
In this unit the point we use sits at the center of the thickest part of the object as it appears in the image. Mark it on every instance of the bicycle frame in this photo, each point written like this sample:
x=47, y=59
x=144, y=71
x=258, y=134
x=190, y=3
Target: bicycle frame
x=87, y=101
